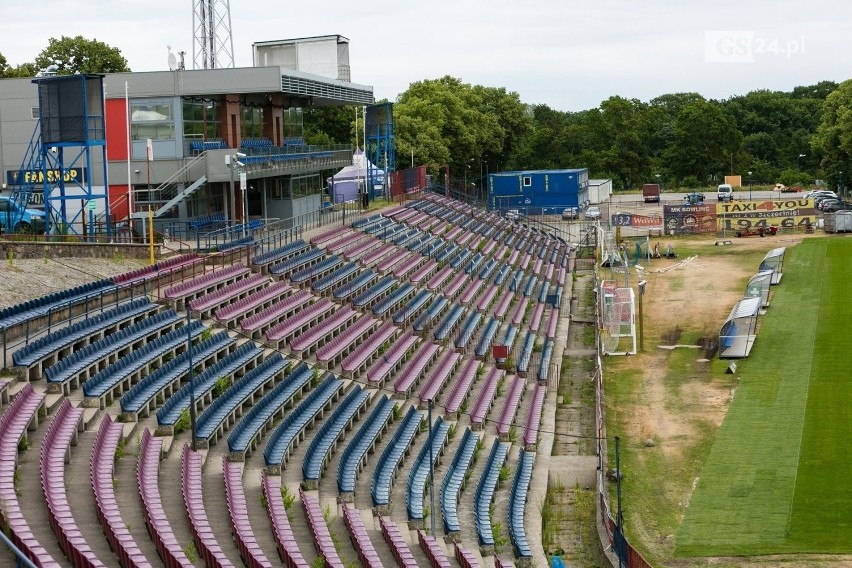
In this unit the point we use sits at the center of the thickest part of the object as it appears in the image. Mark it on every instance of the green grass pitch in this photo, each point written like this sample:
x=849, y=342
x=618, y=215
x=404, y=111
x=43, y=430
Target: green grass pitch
x=777, y=479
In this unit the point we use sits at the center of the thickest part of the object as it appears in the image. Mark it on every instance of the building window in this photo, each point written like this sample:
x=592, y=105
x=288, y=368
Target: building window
x=527, y=181
x=202, y=120
x=294, y=123
x=303, y=186
x=251, y=123
x=152, y=121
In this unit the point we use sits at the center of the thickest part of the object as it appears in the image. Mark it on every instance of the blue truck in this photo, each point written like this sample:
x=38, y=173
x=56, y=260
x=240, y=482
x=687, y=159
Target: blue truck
x=15, y=220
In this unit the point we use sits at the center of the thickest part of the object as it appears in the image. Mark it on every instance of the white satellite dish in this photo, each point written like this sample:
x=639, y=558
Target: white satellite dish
x=172, y=61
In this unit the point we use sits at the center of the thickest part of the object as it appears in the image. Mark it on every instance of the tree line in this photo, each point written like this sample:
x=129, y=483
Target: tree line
x=680, y=139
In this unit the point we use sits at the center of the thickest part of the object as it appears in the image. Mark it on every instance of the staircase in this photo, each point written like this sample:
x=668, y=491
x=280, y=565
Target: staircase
x=33, y=162
x=171, y=192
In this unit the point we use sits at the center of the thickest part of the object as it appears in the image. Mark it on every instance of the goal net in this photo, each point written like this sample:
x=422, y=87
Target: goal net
x=618, y=319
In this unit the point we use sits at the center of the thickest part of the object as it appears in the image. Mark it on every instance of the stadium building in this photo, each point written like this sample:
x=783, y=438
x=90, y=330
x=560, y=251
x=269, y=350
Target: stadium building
x=177, y=141
x=538, y=192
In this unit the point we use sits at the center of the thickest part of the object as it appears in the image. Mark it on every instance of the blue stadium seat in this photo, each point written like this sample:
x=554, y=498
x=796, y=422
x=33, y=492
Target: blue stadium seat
x=420, y=469
x=356, y=451
x=329, y=432
x=392, y=455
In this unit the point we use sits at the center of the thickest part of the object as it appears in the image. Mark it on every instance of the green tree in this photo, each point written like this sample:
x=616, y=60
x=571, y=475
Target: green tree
x=22, y=70
x=81, y=55
x=833, y=138
x=330, y=125
x=706, y=139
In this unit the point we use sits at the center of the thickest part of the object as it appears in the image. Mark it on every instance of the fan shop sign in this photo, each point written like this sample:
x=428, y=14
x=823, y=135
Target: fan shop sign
x=783, y=213
x=36, y=177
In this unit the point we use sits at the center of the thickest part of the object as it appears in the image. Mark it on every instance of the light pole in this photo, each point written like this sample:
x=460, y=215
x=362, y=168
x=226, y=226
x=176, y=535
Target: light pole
x=641, y=316
x=232, y=161
x=749, y=186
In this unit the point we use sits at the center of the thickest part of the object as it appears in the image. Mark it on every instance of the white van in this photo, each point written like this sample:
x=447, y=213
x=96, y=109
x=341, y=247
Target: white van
x=725, y=192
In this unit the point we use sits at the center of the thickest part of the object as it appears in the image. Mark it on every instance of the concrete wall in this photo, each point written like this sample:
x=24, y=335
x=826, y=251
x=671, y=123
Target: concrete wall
x=75, y=250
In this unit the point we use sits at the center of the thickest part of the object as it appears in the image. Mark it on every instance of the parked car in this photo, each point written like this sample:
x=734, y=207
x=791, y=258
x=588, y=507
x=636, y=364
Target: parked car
x=25, y=220
x=593, y=213
x=570, y=213
x=725, y=192
x=834, y=206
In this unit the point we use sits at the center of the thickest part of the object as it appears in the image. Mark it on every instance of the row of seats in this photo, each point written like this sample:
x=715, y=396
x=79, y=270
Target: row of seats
x=299, y=319
x=102, y=465
x=489, y=266
x=424, y=272
x=354, y=455
x=438, y=279
x=204, y=145
x=306, y=343
x=374, y=293
x=474, y=263
x=529, y=286
x=401, y=294
x=252, y=303
x=360, y=539
x=470, y=291
x=453, y=289
x=523, y=362
x=234, y=244
x=241, y=530
x=285, y=267
x=520, y=310
x=285, y=541
x=229, y=294
x=125, y=373
x=356, y=251
x=517, y=505
x=429, y=455
x=503, y=304
x=412, y=307
x=243, y=437
x=393, y=536
x=438, y=306
x=461, y=388
x=469, y=327
x=544, y=365
x=535, y=318
x=510, y=407
x=245, y=356
x=433, y=387
x=192, y=488
x=485, y=399
x=376, y=255
x=388, y=463
x=228, y=407
x=44, y=305
x=484, y=494
x=342, y=241
x=534, y=417
x=367, y=351
x=317, y=270
x=329, y=235
x=413, y=371
x=147, y=476
x=454, y=479
x=335, y=277
x=433, y=550
x=447, y=326
x=487, y=338
x=57, y=443
x=206, y=221
x=365, y=222
x=255, y=143
x=81, y=333
x=110, y=348
x=343, y=291
x=206, y=283
x=290, y=430
x=281, y=253
x=392, y=359
x=342, y=345
x=389, y=261
x=319, y=529
x=263, y=321
x=166, y=379
x=411, y=263
x=326, y=437
x=16, y=420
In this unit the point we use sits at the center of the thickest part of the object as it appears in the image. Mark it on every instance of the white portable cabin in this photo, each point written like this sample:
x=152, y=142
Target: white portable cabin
x=738, y=332
x=774, y=261
x=758, y=286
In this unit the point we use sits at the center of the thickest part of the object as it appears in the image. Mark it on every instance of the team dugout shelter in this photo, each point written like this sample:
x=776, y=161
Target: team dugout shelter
x=538, y=192
x=739, y=331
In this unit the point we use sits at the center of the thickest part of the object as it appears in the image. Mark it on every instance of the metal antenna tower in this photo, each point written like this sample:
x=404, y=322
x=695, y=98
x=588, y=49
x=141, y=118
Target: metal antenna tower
x=212, y=42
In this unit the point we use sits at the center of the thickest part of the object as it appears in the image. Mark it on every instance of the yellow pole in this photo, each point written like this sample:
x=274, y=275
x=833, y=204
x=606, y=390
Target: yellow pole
x=150, y=235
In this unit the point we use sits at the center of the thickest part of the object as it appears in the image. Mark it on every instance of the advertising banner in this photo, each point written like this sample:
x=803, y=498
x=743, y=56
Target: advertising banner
x=20, y=177
x=781, y=213
x=638, y=221
x=689, y=219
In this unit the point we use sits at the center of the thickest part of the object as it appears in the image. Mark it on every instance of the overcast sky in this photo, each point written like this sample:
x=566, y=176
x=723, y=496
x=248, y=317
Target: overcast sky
x=568, y=54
